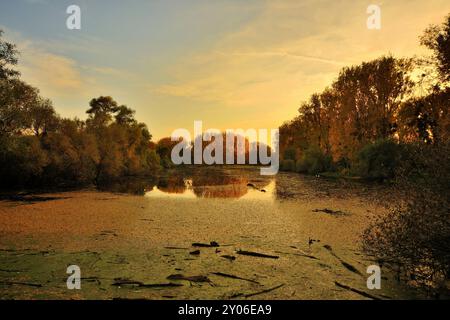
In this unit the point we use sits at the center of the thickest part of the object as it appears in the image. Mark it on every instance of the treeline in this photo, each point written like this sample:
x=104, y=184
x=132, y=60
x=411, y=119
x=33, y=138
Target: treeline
x=389, y=119
x=361, y=122
x=38, y=147
x=240, y=149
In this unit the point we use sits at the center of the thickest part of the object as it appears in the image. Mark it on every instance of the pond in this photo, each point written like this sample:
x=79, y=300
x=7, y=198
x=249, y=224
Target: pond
x=196, y=233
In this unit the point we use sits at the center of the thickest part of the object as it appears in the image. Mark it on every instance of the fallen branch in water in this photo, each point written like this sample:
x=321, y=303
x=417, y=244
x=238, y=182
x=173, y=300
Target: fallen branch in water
x=188, y=278
x=256, y=293
x=91, y=279
x=226, y=275
x=160, y=285
x=350, y=267
x=10, y=283
x=205, y=245
x=125, y=282
x=331, y=212
x=231, y=258
x=345, y=264
x=299, y=254
x=129, y=299
x=12, y=270
x=364, y=294
x=256, y=254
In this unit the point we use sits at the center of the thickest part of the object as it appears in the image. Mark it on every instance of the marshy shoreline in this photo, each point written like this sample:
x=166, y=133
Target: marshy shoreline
x=202, y=235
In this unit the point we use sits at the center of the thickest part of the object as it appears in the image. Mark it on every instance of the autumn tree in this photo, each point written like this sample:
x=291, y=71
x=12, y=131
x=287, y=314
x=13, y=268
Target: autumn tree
x=8, y=59
x=437, y=39
x=38, y=147
x=124, y=115
x=426, y=118
x=360, y=107
x=43, y=117
x=101, y=111
x=16, y=100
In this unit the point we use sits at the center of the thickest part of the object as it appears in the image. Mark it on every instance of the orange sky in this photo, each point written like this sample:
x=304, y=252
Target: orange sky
x=231, y=64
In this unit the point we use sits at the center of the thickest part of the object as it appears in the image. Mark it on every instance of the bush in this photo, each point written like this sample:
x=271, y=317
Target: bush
x=415, y=235
x=290, y=154
x=378, y=160
x=22, y=160
x=343, y=163
x=300, y=167
x=287, y=165
x=166, y=163
x=314, y=161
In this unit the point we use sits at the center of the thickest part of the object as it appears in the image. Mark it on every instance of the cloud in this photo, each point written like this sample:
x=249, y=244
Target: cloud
x=48, y=66
x=55, y=75
x=51, y=71
x=295, y=48
x=252, y=71
x=108, y=71
x=272, y=62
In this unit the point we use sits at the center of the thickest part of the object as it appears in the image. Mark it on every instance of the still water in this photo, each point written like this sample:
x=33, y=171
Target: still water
x=185, y=235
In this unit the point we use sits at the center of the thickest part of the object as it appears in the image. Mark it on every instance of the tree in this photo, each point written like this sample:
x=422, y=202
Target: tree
x=37, y=146
x=163, y=149
x=101, y=110
x=43, y=117
x=360, y=107
x=22, y=160
x=369, y=96
x=437, y=39
x=8, y=58
x=124, y=115
x=427, y=118
x=16, y=100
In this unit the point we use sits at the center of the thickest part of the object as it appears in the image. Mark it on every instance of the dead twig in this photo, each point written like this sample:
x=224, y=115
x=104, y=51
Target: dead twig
x=226, y=275
x=10, y=283
x=345, y=264
x=231, y=258
x=256, y=254
x=299, y=254
x=205, y=245
x=256, y=293
x=126, y=282
x=364, y=294
x=331, y=212
x=188, y=278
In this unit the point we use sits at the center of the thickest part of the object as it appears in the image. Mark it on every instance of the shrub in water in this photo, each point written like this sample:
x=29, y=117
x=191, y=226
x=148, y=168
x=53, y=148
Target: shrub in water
x=378, y=160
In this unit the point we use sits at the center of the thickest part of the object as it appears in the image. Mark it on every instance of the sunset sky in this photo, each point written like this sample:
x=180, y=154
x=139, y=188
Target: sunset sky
x=231, y=63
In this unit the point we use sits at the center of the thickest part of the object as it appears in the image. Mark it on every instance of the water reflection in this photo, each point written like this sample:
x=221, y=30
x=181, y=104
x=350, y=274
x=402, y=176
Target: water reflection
x=201, y=183
x=212, y=185
x=130, y=186
x=238, y=184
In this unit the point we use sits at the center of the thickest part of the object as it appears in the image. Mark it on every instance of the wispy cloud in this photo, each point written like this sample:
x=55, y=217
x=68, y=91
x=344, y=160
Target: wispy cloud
x=273, y=61
x=55, y=75
x=292, y=49
x=230, y=63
